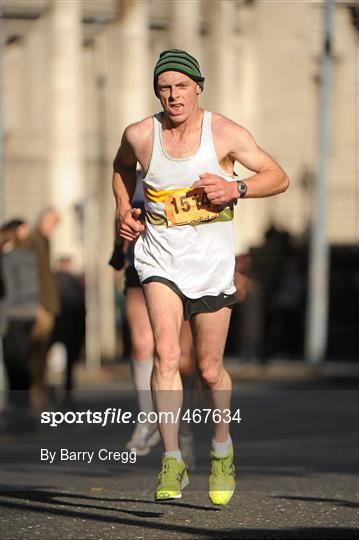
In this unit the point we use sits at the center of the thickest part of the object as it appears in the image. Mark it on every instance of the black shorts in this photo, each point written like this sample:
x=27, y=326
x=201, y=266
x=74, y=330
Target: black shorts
x=191, y=306
x=131, y=278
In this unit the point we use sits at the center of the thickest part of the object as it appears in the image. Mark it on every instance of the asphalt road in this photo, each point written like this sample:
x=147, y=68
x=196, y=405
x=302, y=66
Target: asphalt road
x=296, y=458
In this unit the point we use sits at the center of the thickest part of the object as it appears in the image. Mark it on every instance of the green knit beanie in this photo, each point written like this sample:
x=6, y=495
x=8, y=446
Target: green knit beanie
x=177, y=60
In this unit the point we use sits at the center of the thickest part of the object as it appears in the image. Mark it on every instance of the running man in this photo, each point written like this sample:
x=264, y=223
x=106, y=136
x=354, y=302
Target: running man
x=184, y=253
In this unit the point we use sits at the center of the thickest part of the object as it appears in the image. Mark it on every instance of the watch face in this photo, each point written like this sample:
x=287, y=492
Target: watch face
x=242, y=188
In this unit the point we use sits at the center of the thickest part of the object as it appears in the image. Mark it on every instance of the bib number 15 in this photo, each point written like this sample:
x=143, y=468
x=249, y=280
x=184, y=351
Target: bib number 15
x=189, y=208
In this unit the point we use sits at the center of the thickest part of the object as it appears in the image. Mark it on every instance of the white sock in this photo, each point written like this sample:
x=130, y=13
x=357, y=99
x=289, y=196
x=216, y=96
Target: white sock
x=142, y=371
x=221, y=448
x=174, y=453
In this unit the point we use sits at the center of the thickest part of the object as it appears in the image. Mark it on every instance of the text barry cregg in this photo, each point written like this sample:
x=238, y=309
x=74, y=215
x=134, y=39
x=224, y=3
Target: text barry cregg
x=86, y=456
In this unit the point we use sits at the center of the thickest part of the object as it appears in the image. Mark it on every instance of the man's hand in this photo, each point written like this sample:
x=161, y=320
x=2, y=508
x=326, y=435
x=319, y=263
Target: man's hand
x=219, y=192
x=41, y=313
x=129, y=224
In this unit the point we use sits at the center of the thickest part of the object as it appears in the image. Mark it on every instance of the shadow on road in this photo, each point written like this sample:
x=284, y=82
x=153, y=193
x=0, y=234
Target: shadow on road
x=48, y=497
x=52, y=497
x=337, y=502
x=310, y=532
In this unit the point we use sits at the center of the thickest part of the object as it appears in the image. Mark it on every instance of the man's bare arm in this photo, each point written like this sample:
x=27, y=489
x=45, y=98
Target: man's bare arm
x=270, y=179
x=124, y=185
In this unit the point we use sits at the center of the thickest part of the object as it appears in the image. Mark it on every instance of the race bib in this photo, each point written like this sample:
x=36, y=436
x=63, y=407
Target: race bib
x=189, y=208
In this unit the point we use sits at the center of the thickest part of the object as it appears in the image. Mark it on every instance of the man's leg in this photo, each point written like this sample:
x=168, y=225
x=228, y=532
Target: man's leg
x=145, y=435
x=190, y=390
x=39, y=347
x=209, y=334
x=166, y=312
x=15, y=347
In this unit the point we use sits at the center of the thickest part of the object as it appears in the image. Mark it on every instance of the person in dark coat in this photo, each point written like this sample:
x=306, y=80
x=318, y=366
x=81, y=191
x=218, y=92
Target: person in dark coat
x=19, y=304
x=69, y=328
x=48, y=306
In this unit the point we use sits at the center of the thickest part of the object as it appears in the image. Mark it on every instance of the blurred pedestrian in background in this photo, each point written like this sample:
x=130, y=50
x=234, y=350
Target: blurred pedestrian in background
x=242, y=280
x=2, y=291
x=69, y=327
x=48, y=306
x=19, y=311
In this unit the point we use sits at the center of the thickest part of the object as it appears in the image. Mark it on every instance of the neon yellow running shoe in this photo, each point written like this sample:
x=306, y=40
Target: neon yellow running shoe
x=222, y=480
x=172, y=478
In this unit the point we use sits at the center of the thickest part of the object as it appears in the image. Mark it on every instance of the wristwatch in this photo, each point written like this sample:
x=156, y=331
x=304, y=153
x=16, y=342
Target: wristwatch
x=242, y=189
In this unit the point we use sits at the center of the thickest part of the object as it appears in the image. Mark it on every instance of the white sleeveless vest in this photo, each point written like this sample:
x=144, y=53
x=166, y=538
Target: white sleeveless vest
x=199, y=259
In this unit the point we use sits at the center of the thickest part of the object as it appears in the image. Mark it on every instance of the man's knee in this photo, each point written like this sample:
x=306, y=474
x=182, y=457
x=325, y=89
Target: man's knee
x=210, y=370
x=142, y=350
x=167, y=356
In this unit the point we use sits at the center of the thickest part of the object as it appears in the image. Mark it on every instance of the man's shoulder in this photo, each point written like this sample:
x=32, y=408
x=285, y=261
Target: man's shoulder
x=221, y=124
x=229, y=134
x=37, y=241
x=36, y=237
x=139, y=131
x=33, y=239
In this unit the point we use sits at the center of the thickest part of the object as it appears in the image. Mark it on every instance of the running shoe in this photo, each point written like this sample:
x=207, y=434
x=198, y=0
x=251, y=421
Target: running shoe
x=188, y=450
x=172, y=479
x=222, y=480
x=144, y=438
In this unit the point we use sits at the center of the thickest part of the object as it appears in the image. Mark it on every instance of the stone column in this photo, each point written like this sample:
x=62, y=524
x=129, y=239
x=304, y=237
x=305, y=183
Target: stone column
x=130, y=76
x=38, y=63
x=220, y=59
x=124, y=90
x=184, y=27
x=13, y=87
x=250, y=215
x=65, y=154
x=245, y=67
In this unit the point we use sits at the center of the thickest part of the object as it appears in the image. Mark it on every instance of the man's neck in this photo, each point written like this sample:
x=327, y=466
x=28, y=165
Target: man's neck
x=193, y=121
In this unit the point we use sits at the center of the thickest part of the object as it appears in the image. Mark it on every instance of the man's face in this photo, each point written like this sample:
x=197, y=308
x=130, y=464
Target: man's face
x=48, y=223
x=22, y=231
x=178, y=95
